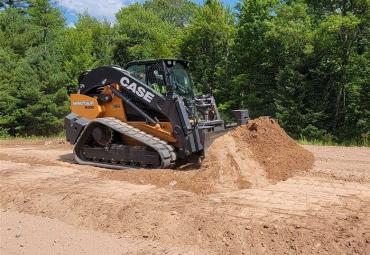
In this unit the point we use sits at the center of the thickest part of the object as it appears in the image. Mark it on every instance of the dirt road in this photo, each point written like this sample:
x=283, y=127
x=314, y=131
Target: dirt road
x=49, y=205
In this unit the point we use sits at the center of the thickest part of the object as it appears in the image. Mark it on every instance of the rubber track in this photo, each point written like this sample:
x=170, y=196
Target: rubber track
x=165, y=151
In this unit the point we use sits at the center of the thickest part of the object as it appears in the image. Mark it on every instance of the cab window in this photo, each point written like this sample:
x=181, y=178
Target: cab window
x=138, y=71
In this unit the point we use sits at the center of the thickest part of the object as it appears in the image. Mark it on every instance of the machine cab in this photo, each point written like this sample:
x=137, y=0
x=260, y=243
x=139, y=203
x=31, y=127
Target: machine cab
x=166, y=76
x=172, y=77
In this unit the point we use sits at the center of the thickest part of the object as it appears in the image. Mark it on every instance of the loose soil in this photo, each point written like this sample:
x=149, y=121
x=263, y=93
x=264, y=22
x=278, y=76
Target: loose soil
x=280, y=156
x=252, y=155
x=242, y=200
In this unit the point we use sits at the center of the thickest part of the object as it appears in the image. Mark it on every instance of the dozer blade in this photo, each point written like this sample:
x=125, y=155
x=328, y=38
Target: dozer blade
x=209, y=137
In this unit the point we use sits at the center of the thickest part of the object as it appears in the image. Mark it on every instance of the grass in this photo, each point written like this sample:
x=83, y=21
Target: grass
x=32, y=138
x=329, y=142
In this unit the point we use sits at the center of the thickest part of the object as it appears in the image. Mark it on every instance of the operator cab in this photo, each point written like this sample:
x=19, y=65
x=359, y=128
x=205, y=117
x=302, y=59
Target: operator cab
x=171, y=77
x=166, y=76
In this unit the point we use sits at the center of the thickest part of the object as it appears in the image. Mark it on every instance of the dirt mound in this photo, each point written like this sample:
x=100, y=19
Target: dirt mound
x=280, y=156
x=252, y=155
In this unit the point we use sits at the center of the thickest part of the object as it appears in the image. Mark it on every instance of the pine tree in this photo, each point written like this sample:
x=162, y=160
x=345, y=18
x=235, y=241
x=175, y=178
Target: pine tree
x=34, y=88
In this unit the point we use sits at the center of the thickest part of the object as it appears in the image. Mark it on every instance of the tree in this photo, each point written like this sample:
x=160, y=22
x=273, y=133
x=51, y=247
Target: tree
x=253, y=72
x=8, y=62
x=14, y=31
x=206, y=44
x=341, y=69
x=85, y=46
x=305, y=64
x=47, y=21
x=32, y=77
x=141, y=34
x=289, y=43
x=177, y=12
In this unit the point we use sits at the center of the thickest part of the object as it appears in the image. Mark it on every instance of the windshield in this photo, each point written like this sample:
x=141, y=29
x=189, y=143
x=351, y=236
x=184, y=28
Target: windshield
x=138, y=71
x=180, y=78
x=181, y=81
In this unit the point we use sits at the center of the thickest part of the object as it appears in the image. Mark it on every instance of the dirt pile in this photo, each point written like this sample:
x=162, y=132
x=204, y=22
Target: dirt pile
x=280, y=156
x=252, y=155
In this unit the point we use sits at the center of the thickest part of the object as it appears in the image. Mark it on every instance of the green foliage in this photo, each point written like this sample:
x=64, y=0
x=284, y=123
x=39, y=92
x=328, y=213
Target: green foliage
x=177, y=12
x=290, y=44
x=85, y=46
x=31, y=76
x=14, y=27
x=206, y=43
x=140, y=33
x=305, y=63
x=253, y=75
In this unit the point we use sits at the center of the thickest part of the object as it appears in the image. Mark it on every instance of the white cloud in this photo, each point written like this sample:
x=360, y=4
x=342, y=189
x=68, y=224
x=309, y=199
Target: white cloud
x=99, y=9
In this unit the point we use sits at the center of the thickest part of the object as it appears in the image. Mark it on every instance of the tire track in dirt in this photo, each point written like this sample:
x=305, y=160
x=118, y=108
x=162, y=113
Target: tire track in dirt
x=312, y=213
x=302, y=197
x=55, y=237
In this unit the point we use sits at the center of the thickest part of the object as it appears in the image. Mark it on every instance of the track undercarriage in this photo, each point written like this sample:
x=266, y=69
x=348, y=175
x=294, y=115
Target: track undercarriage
x=101, y=145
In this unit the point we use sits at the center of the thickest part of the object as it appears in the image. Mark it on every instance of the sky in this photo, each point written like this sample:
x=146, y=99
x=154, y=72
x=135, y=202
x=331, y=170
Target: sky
x=101, y=9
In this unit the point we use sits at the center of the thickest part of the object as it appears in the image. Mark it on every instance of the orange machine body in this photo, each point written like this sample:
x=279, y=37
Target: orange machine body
x=89, y=108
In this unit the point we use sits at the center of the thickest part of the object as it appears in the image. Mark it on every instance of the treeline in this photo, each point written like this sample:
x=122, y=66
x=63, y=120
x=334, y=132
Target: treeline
x=305, y=62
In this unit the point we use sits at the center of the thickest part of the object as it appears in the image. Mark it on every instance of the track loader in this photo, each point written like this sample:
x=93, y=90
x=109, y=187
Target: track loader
x=143, y=115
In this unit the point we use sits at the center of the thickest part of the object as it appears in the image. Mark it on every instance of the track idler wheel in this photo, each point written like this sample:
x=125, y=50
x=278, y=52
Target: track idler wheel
x=102, y=135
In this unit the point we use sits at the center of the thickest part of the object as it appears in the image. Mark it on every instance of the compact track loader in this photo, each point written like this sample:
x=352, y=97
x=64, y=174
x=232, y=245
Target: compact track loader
x=145, y=115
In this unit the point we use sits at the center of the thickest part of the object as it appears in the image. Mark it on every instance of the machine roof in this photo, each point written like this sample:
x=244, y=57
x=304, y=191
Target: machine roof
x=150, y=61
